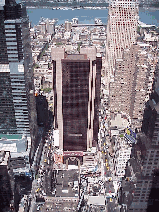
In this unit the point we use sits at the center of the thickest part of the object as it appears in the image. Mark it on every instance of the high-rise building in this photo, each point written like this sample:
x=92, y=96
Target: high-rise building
x=68, y=26
x=145, y=157
x=51, y=27
x=17, y=101
x=76, y=85
x=132, y=82
x=121, y=31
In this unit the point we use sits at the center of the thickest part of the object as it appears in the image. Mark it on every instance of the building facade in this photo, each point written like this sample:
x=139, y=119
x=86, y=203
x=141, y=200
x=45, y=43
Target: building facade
x=145, y=156
x=121, y=31
x=76, y=85
x=17, y=101
x=133, y=82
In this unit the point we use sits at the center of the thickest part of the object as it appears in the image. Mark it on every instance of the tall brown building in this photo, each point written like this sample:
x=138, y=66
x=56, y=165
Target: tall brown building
x=76, y=85
x=132, y=83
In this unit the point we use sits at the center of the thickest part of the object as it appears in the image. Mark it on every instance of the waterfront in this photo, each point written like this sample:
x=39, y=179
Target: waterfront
x=148, y=16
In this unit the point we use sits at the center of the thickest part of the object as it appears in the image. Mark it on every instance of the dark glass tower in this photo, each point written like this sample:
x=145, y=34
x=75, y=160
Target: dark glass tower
x=17, y=103
x=76, y=85
x=75, y=97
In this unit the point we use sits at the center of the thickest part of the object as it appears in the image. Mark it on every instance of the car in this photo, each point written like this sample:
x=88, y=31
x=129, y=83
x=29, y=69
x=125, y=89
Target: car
x=38, y=190
x=38, y=208
x=43, y=193
x=45, y=160
x=53, y=192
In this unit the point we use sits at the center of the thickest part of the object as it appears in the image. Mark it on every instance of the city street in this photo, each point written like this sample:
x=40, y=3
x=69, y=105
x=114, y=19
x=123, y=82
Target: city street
x=41, y=185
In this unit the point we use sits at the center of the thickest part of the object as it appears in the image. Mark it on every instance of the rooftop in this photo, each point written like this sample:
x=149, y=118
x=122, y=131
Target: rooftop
x=14, y=136
x=65, y=178
x=13, y=143
x=76, y=57
x=96, y=200
x=4, y=157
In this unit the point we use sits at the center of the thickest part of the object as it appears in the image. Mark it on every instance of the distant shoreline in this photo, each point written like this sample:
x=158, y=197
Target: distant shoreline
x=83, y=7
x=30, y=5
x=76, y=5
x=61, y=8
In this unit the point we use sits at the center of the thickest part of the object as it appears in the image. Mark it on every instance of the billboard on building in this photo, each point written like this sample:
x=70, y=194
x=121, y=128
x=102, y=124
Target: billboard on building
x=56, y=137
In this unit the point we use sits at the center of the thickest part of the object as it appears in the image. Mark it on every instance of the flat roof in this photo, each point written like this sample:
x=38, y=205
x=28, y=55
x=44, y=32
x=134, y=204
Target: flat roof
x=76, y=56
x=96, y=200
x=13, y=144
x=64, y=177
x=13, y=136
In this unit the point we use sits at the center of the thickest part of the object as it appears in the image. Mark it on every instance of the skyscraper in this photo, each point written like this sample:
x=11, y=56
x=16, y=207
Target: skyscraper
x=76, y=85
x=121, y=31
x=147, y=157
x=144, y=160
x=133, y=82
x=17, y=103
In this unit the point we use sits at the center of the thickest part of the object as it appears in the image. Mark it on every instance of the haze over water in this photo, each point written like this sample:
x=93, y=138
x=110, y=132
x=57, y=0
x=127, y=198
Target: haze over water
x=148, y=16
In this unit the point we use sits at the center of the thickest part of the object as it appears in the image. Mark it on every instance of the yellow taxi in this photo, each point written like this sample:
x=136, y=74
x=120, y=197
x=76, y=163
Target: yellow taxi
x=104, y=144
x=102, y=151
x=38, y=190
x=45, y=160
x=108, y=168
x=106, y=160
x=111, y=200
x=106, y=164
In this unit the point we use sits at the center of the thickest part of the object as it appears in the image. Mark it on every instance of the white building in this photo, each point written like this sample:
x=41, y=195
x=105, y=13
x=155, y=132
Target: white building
x=122, y=155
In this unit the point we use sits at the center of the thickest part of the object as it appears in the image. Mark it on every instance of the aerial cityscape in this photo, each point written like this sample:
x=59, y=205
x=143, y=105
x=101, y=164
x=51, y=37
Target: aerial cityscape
x=79, y=106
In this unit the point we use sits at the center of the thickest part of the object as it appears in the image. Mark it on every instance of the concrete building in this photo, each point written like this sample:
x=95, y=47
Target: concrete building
x=132, y=83
x=75, y=21
x=19, y=147
x=122, y=155
x=68, y=26
x=121, y=31
x=76, y=85
x=42, y=27
x=17, y=103
x=5, y=182
x=145, y=157
x=50, y=26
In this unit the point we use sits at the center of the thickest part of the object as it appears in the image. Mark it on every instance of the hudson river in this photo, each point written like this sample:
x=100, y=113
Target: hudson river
x=148, y=16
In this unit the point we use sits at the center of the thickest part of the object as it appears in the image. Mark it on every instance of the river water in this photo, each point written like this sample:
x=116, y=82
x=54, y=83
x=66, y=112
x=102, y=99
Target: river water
x=148, y=16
